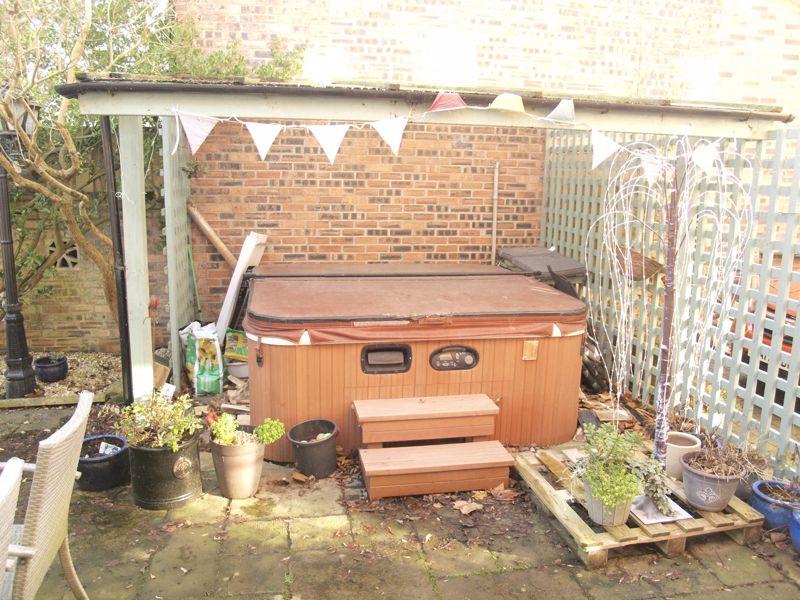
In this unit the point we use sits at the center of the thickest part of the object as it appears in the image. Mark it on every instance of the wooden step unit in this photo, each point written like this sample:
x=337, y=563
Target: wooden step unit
x=427, y=418
x=413, y=470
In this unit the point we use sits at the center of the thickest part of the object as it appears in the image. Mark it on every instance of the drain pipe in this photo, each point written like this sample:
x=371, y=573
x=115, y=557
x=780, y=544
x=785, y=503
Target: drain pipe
x=493, y=258
x=119, y=260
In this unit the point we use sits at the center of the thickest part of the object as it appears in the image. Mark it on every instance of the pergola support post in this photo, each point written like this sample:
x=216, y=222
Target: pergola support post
x=134, y=227
x=176, y=231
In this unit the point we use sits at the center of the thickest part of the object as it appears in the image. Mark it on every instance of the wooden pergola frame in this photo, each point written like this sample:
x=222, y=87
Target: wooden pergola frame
x=131, y=100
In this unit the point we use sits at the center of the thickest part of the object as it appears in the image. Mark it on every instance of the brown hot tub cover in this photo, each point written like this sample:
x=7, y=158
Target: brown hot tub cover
x=423, y=304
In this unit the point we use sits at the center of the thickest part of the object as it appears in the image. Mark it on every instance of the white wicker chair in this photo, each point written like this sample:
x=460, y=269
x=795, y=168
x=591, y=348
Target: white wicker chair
x=9, y=492
x=44, y=531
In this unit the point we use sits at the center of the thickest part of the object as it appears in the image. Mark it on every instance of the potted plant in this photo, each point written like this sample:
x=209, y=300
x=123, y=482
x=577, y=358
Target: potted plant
x=51, y=367
x=775, y=500
x=104, y=462
x=678, y=444
x=710, y=476
x=238, y=454
x=164, y=457
x=614, y=472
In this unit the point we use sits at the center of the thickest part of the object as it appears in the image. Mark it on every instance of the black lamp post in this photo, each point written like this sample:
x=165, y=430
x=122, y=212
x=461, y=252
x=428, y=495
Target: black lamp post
x=20, y=378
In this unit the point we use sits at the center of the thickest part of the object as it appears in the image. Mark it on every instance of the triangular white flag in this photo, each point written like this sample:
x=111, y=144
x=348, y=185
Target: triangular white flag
x=330, y=138
x=651, y=167
x=565, y=111
x=391, y=130
x=705, y=156
x=196, y=128
x=602, y=148
x=263, y=135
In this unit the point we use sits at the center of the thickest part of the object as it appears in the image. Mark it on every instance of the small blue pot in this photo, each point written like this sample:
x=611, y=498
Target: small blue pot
x=794, y=529
x=777, y=514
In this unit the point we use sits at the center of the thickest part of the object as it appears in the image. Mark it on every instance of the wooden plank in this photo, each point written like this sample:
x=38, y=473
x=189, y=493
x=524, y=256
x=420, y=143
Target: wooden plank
x=654, y=530
x=672, y=547
x=38, y=401
x=440, y=487
x=575, y=526
x=745, y=511
x=622, y=533
x=716, y=519
x=134, y=227
x=491, y=472
x=441, y=432
x=440, y=457
x=692, y=525
x=398, y=409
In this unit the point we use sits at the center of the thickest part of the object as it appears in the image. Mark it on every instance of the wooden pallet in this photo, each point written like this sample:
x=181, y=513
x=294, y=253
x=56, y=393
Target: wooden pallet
x=556, y=491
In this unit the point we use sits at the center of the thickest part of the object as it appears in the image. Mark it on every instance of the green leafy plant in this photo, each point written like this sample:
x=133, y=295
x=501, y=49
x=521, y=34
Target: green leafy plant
x=269, y=432
x=616, y=469
x=225, y=431
x=157, y=422
x=285, y=64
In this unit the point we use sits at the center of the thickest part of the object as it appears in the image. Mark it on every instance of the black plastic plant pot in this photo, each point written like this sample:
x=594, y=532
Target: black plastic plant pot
x=162, y=479
x=49, y=370
x=105, y=471
x=314, y=457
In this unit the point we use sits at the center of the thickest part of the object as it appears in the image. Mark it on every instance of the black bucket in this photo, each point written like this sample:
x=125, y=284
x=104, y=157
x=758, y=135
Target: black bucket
x=104, y=472
x=317, y=458
x=163, y=479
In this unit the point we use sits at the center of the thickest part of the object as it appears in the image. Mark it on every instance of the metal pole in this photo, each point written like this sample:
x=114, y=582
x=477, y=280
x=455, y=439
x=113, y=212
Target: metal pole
x=495, y=190
x=119, y=260
x=20, y=378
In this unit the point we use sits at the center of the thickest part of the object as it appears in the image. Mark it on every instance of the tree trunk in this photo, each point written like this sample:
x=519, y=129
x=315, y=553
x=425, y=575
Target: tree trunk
x=664, y=390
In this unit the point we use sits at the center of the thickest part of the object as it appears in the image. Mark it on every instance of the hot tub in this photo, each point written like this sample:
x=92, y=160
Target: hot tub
x=322, y=336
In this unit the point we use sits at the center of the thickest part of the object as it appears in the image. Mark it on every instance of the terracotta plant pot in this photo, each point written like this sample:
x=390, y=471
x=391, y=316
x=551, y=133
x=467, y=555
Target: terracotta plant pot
x=602, y=515
x=238, y=468
x=705, y=491
x=678, y=444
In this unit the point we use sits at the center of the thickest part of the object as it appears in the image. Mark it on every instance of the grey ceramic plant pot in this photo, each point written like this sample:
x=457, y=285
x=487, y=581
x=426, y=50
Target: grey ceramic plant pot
x=705, y=491
x=238, y=468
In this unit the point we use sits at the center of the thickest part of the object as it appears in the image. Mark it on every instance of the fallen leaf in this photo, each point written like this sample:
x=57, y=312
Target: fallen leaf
x=467, y=507
x=479, y=495
x=438, y=505
x=504, y=494
x=298, y=476
x=427, y=538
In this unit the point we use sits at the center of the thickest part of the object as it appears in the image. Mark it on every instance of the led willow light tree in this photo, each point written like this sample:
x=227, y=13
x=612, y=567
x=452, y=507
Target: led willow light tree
x=685, y=209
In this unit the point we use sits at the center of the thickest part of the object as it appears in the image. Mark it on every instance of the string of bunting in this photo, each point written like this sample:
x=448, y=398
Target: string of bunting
x=197, y=128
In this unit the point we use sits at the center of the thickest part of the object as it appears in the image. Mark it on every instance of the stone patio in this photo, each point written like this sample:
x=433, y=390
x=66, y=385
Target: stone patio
x=323, y=540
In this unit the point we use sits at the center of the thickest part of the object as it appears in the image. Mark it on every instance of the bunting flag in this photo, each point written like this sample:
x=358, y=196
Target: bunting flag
x=391, y=131
x=508, y=102
x=602, y=148
x=705, y=156
x=330, y=138
x=565, y=111
x=195, y=127
x=447, y=101
x=651, y=167
x=263, y=135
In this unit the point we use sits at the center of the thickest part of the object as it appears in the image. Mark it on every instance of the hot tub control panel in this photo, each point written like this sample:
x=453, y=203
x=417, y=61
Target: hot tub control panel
x=454, y=358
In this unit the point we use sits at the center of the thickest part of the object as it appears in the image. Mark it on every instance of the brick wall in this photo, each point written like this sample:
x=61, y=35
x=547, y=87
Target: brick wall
x=432, y=203
x=713, y=50
x=74, y=316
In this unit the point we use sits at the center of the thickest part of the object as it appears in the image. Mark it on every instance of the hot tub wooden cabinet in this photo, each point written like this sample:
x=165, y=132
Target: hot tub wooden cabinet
x=322, y=336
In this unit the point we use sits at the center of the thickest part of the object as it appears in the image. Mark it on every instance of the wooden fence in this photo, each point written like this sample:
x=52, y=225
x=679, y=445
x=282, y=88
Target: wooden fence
x=751, y=390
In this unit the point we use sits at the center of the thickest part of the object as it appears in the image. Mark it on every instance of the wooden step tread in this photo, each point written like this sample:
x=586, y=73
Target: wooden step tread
x=434, y=458
x=399, y=409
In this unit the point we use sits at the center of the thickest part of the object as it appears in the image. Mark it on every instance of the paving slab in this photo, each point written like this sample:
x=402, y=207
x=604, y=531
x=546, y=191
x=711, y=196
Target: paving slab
x=320, y=533
x=385, y=534
x=186, y=567
x=208, y=508
x=521, y=585
x=351, y=575
x=759, y=591
x=731, y=563
x=250, y=538
x=315, y=499
x=614, y=583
